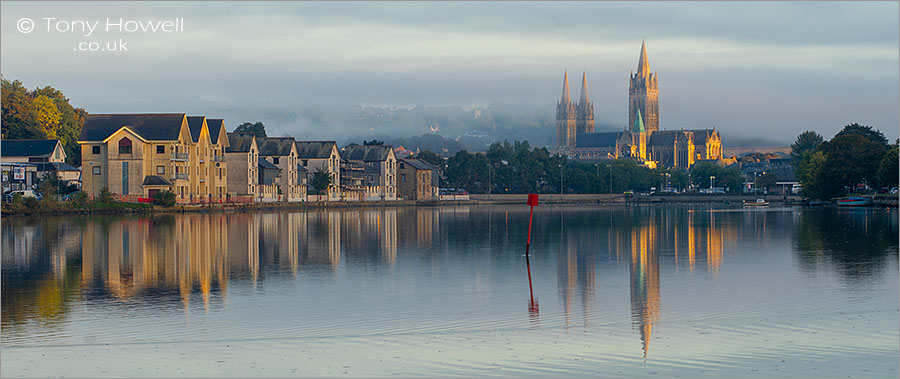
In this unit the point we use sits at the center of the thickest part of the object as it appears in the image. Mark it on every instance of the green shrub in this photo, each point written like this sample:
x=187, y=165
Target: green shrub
x=105, y=196
x=164, y=198
x=17, y=198
x=78, y=197
x=32, y=202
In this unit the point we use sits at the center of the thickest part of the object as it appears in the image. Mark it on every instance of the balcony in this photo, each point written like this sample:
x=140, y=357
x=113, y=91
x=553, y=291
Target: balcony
x=180, y=157
x=181, y=176
x=219, y=158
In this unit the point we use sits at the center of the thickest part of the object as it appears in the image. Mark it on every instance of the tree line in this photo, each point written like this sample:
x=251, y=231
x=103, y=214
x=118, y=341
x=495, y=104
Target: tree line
x=518, y=168
x=857, y=157
x=42, y=113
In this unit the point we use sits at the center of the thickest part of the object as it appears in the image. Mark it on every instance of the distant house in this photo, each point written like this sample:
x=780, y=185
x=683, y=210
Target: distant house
x=418, y=179
x=208, y=176
x=218, y=167
x=380, y=159
x=315, y=155
x=268, y=180
x=66, y=172
x=32, y=151
x=282, y=152
x=359, y=181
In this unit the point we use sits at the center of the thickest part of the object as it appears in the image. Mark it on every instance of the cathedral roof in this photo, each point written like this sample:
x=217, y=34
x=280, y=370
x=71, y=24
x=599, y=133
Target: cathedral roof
x=604, y=139
x=666, y=137
x=701, y=135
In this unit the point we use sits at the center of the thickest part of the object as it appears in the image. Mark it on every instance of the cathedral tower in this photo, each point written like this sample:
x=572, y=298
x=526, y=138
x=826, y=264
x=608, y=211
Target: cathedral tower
x=584, y=118
x=565, y=118
x=643, y=94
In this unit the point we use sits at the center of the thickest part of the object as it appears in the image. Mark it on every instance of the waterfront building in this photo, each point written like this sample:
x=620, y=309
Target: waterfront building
x=359, y=181
x=32, y=151
x=380, y=158
x=641, y=140
x=243, y=161
x=419, y=180
x=136, y=155
x=208, y=169
x=282, y=153
x=315, y=155
x=218, y=168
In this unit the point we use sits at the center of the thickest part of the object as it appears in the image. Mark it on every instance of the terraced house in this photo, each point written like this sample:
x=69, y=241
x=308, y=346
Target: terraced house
x=282, y=153
x=381, y=160
x=136, y=155
x=316, y=155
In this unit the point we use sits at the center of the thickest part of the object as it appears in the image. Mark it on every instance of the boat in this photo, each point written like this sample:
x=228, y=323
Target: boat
x=757, y=203
x=854, y=201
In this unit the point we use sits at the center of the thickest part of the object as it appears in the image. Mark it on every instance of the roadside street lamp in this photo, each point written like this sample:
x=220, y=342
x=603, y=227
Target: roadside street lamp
x=712, y=181
x=560, y=180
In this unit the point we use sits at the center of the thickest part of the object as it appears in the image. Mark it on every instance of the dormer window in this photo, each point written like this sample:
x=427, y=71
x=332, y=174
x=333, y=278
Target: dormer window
x=125, y=146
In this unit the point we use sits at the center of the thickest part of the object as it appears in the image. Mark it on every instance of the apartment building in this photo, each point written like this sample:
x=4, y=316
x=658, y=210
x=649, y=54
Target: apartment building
x=380, y=159
x=282, y=153
x=136, y=155
x=316, y=155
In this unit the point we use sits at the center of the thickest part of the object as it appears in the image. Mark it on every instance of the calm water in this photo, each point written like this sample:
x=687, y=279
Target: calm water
x=617, y=291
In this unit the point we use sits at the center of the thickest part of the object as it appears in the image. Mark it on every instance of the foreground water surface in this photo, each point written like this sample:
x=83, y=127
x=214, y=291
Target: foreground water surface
x=692, y=290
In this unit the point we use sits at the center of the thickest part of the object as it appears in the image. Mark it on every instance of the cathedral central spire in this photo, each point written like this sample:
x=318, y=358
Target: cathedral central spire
x=643, y=61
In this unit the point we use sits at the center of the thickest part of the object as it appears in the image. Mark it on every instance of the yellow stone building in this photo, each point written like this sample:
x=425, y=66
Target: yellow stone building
x=134, y=156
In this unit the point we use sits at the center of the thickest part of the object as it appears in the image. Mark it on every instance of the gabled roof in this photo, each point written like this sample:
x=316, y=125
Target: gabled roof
x=367, y=153
x=604, y=139
x=418, y=164
x=315, y=149
x=156, y=180
x=27, y=147
x=150, y=126
x=266, y=165
x=275, y=146
x=239, y=142
x=215, y=126
x=195, y=124
x=666, y=137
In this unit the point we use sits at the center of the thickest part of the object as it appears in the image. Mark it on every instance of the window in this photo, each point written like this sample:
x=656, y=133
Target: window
x=305, y=162
x=95, y=150
x=125, y=146
x=403, y=178
x=275, y=160
x=401, y=165
x=160, y=170
x=96, y=170
x=160, y=149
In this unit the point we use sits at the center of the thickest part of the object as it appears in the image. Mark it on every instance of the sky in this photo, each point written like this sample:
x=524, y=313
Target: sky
x=751, y=69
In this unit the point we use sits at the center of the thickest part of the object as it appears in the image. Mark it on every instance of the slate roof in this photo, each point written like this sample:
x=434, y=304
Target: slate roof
x=701, y=135
x=239, y=142
x=156, y=180
x=195, y=124
x=418, y=164
x=367, y=153
x=27, y=147
x=665, y=137
x=605, y=139
x=314, y=149
x=266, y=165
x=150, y=126
x=215, y=126
x=274, y=146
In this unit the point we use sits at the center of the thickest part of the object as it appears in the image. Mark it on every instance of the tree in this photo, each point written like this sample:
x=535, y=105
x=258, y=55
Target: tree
x=851, y=159
x=321, y=180
x=887, y=170
x=373, y=142
x=432, y=158
x=50, y=185
x=164, y=198
x=806, y=142
x=257, y=128
x=866, y=131
x=808, y=172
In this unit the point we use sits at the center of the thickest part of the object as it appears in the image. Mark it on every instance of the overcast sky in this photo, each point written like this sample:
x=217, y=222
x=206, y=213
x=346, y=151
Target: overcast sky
x=766, y=69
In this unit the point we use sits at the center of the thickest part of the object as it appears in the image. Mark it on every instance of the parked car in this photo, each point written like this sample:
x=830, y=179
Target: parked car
x=894, y=191
x=71, y=195
x=8, y=195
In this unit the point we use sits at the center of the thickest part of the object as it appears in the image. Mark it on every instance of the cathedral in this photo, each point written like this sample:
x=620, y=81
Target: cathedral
x=641, y=139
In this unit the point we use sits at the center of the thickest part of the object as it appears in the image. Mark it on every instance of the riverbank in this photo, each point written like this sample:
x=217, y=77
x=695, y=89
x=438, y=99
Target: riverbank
x=50, y=207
